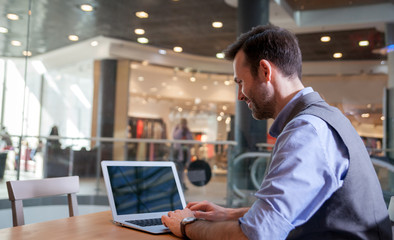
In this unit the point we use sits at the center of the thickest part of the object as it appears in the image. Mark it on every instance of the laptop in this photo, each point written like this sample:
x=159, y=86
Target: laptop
x=139, y=193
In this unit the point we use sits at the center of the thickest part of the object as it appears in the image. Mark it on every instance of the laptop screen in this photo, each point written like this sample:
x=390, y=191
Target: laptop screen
x=143, y=189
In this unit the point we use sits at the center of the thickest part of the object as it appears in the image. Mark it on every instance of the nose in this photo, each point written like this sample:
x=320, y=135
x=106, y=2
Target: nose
x=241, y=96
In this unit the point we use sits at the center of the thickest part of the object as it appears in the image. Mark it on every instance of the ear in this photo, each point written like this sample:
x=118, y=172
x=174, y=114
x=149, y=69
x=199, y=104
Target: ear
x=266, y=69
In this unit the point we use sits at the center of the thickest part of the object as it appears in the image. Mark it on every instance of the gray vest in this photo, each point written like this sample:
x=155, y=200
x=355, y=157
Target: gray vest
x=356, y=210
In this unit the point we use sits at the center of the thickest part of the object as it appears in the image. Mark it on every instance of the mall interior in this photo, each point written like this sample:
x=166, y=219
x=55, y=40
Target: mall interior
x=83, y=81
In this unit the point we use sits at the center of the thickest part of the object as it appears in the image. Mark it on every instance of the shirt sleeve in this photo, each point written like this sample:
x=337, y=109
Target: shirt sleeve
x=307, y=167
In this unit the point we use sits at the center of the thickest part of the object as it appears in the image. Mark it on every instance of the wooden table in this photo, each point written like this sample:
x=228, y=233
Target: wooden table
x=91, y=226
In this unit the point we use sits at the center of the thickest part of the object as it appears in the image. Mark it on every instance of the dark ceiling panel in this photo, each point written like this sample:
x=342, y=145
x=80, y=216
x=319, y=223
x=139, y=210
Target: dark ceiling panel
x=345, y=42
x=300, y=5
x=185, y=23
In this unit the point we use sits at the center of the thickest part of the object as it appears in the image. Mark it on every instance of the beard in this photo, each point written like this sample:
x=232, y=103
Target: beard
x=262, y=104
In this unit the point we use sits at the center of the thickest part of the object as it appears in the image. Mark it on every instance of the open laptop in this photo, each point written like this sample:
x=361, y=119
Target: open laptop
x=139, y=193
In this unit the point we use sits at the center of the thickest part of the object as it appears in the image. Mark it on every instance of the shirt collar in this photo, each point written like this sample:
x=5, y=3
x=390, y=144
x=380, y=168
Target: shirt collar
x=284, y=113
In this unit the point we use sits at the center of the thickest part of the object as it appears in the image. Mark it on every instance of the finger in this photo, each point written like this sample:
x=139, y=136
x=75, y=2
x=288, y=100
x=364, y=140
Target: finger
x=170, y=213
x=199, y=206
x=164, y=219
x=190, y=204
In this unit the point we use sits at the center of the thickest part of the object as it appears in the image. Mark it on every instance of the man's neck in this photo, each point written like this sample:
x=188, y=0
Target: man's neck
x=286, y=89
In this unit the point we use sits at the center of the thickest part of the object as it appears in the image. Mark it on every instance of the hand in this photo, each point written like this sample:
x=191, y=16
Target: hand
x=173, y=220
x=208, y=211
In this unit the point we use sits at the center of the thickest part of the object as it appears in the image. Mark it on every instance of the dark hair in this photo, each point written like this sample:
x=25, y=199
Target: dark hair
x=271, y=43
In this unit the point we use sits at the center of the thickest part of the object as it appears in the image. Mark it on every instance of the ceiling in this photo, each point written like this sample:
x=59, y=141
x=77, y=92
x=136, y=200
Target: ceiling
x=187, y=23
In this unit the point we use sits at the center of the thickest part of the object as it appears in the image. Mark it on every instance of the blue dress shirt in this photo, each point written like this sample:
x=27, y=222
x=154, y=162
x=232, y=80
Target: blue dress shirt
x=308, y=164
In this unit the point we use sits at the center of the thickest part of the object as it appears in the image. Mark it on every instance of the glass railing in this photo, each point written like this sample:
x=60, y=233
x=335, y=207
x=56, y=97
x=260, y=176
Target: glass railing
x=43, y=157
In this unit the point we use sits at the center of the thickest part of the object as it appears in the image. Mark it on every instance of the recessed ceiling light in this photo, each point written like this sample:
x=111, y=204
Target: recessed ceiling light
x=162, y=51
x=3, y=30
x=325, y=39
x=365, y=115
x=217, y=24
x=177, y=49
x=27, y=53
x=94, y=44
x=73, y=38
x=382, y=118
x=192, y=79
x=226, y=82
x=134, y=66
x=139, y=31
x=363, y=43
x=16, y=43
x=12, y=16
x=142, y=40
x=86, y=7
x=220, y=55
x=337, y=55
x=142, y=14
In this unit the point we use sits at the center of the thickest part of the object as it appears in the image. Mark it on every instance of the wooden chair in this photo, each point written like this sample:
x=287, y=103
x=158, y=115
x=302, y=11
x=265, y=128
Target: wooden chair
x=26, y=189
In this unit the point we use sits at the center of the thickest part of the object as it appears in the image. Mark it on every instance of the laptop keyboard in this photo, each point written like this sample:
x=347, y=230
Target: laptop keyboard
x=146, y=222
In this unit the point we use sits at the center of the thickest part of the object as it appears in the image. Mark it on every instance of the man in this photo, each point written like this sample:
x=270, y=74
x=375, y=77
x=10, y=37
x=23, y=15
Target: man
x=183, y=156
x=320, y=183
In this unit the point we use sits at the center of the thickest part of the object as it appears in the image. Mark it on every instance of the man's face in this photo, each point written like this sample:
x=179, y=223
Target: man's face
x=257, y=92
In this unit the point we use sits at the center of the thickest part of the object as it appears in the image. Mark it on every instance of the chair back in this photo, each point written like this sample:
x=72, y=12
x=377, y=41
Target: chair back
x=27, y=189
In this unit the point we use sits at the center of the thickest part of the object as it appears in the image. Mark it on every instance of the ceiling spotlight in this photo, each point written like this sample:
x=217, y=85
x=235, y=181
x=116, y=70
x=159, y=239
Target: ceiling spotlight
x=139, y=31
x=337, y=55
x=73, y=38
x=16, y=43
x=162, y=52
x=27, y=53
x=177, y=49
x=86, y=8
x=219, y=118
x=363, y=43
x=94, y=44
x=217, y=24
x=3, y=30
x=142, y=40
x=12, y=16
x=134, y=66
x=220, y=55
x=325, y=39
x=142, y=14
x=382, y=118
x=365, y=115
x=192, y=79
x=226, y=82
